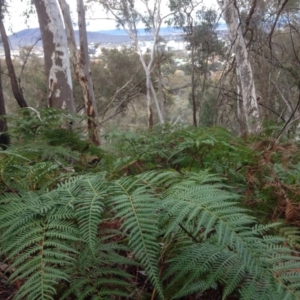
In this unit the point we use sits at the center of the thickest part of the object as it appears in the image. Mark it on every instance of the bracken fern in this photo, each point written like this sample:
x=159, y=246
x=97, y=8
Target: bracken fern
x=92, y=235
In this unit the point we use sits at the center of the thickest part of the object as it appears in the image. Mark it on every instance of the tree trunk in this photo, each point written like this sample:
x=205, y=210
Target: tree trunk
x=80, y=61
x=69, y=30
x=160, y=90
x=149, y=99
x=243, y=65
x=85, y=77
x=4, y=137
x=157, y=104
x=17, y=91
x=194, y=88
x=126, y=15
x=240, y=111
x=57, y=65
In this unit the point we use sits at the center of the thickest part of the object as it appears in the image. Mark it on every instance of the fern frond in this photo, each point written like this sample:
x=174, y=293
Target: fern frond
x=206, y=202
x=102, y=276
x=23, y=170
x=291, y=233
x=89, y=207
x=85, y=195
x=136, y=206
x=226, y=246
x=37, y=245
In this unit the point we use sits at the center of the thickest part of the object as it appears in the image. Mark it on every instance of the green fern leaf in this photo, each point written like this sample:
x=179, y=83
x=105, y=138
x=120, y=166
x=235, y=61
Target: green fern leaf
x=101, y=276
x=89, y=207
x=225, y=246
x=37, y=245
x=136, y=206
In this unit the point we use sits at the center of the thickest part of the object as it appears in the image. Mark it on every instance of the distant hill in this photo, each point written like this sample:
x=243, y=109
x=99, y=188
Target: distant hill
x=103, y=37
x=143, y=32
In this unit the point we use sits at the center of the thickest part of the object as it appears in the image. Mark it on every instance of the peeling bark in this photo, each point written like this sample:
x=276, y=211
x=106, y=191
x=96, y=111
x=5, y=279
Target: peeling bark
x=149, y=99
x=243, y=66
x=56, y=56
x=85, y=78
x=81, y=65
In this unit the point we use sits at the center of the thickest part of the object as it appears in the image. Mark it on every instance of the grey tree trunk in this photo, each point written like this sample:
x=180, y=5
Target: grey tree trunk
x=240, y=110
x=80, y=61
x=85, y=77
x=193, y=94
x=56, y=56
x=160, y=90
x=4, y=136
x=243, y=66
x=17, y=91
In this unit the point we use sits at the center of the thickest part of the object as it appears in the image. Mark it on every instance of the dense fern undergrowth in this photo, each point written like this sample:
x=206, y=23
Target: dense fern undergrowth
x=172, y=213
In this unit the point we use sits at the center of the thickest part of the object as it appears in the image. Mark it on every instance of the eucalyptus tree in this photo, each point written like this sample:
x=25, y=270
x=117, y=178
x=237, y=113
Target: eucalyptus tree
x=183, y=17
x=128, y=16
x=161, y=57
x=209, y=50
x=269, y=35
x=244, y=72
x=199, y=25
x=4, y=137
x=281, y=52
x=81, y=64
x=56, y=56
x=120, y=81
x=16, y=88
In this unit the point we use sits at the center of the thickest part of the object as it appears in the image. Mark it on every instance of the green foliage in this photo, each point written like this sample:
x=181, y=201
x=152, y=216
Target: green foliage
x=150, y=219
x=185, y=148
x=37, y=237
x=101, y=277
x=205, y=30
x=191, y=226
x=209, y=107
x=117, y=71
x=44, y=151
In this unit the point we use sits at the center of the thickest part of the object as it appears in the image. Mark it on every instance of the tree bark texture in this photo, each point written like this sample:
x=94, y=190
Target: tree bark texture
x=243, y=66
x=17, y=91
x=160, y=90
x=85, y=78
x=193, y=94
x=3, y=122
x=4, y=136
x=56, y=56
x=80, y=61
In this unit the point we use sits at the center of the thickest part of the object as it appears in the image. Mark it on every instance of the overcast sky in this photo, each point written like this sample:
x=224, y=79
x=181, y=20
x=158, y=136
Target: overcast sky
x=16, y=21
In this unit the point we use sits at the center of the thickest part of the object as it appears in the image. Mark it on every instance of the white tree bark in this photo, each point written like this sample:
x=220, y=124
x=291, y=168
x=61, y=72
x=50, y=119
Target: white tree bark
x=243, y=65
x=128, y=18
x=65, y=9
x=57, y=64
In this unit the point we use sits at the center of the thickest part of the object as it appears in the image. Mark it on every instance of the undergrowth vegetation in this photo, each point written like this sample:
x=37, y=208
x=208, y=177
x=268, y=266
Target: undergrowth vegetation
x=172, y=213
